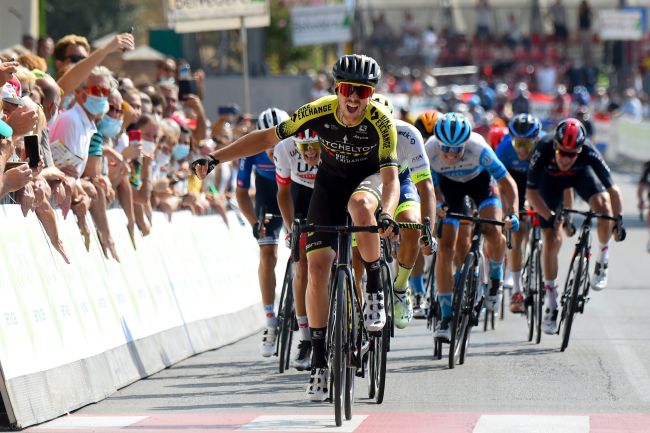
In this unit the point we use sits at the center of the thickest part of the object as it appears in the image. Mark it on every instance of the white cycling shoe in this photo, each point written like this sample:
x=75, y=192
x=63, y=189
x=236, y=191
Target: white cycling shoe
x=402, y=308
x=267, y=348
x=374, y=312
x=317, y=389
x=549, y=321
x=599, y=281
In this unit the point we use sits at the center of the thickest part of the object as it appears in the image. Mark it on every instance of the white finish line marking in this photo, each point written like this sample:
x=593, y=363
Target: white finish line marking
x=86, y=422
x=531, y=424
x=302, y=423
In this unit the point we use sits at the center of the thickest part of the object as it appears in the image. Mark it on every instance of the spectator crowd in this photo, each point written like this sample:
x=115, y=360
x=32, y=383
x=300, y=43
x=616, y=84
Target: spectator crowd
x=104, y=141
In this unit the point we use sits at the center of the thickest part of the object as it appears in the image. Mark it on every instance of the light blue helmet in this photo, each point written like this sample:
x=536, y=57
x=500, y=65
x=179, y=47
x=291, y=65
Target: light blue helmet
x=525, y=125
x=453, y=129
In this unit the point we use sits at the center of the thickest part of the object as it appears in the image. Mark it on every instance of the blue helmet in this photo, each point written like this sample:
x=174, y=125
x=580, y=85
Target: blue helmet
x=453, y=129
x=581, y=95
x=525, y=125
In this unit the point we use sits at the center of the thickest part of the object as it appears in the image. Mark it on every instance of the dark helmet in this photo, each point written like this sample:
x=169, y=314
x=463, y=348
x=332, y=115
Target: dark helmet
x=570, y=134
x=525, y=125
x=357, y=68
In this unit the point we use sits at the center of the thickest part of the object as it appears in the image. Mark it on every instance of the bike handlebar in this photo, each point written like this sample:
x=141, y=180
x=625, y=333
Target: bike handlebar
x=588, y=213
x=479, y=220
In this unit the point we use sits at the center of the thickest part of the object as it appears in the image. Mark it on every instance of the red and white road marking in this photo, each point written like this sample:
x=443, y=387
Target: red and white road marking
x=395, y=422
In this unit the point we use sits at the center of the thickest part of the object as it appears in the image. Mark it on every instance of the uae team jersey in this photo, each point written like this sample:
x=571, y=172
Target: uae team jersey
x=352, y=152
x=290, y=165
x=477, y=157
x=543, y=162
x=263, y=167
x=411, y=155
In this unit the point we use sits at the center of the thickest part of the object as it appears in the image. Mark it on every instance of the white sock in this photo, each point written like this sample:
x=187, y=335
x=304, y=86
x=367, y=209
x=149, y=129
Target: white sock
x=551, y=294
x=603, y=252
x=304, y=328
x=516, y=281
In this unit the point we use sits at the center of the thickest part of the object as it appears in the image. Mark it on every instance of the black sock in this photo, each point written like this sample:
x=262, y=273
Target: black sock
x=318, y=347
x=373, y=274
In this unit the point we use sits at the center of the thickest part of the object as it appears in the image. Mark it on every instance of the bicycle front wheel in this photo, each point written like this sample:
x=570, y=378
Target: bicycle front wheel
x=570, y=296
x=538, y=299
x=460, y=317
x=285, y=319
x=339, y=343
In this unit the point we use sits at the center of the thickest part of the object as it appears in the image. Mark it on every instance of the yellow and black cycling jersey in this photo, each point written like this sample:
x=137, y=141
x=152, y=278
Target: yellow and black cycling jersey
x=346, y=151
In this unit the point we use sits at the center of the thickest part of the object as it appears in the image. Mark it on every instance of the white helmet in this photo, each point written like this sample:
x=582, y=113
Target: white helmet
x=378, y=97
x=306, y=137
x=271, y=117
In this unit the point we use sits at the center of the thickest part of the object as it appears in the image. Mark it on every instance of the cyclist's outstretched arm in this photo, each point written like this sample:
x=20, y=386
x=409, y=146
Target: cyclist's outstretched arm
x=538, y=203
x=250, y=144
x=617, y=200
x=508, y=189
x=427, y=199
x=568, y=198
x=285, y=203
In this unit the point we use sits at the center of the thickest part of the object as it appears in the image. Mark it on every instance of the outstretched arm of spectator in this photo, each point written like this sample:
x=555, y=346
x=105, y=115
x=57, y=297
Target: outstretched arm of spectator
x=7, y=69
x=77, y=74
x=193, y=102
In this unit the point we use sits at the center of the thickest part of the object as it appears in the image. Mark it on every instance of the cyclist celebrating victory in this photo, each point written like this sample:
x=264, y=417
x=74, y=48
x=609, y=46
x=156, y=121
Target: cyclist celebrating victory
x=359, y=166
x=267, y=237
x=514, y=152
x=567, y=159
x=465, y=165
x=295, y=171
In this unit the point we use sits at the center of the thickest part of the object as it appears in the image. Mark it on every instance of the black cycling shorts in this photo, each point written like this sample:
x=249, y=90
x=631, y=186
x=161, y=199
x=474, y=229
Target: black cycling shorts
x=266, y=196
x=329, y=205
x=482, y=190
x=551, y=188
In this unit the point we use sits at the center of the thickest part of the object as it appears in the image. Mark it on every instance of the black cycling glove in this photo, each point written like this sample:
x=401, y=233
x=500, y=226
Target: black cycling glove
x=385, y=221
x=210, y=161
x=569, y=226
x=256, y=230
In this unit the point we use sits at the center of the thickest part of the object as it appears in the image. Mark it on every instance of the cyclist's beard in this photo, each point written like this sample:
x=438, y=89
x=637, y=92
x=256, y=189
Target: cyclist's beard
x=564, y=166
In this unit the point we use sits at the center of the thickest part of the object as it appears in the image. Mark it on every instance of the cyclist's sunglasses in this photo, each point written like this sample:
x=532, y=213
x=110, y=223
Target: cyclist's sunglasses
x=451, y=149
x=98, y=90
x=362, y=91
x=566, y=154
x=523, y=143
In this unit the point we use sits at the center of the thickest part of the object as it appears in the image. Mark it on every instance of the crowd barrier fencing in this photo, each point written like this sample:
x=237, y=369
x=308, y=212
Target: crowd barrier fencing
x=71, y=335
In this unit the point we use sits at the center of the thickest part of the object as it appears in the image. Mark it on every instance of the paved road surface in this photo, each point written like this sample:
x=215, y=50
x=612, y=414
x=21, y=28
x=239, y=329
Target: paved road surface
x=600, y=384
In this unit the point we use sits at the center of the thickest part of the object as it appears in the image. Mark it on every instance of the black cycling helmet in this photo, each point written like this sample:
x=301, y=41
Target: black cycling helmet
x=357, y=68
x=525, y=125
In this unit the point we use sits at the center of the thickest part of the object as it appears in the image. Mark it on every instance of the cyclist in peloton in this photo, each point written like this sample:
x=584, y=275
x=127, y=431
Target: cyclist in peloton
x=567, y=159
x=267, y=236
x=416, y=201
x=359, y=166
x=514, y=151
x=295, y=171
x=463, y=164
x=643, y=192
x=424, y=123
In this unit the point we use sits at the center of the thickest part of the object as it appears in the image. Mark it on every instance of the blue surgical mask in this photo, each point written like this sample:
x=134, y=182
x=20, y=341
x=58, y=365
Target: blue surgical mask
x=96, y=105
x=180, y=151
x=162, y=159
x=109, y=126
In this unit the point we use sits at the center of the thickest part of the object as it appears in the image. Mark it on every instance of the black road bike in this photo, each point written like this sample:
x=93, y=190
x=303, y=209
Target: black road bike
x=532, y=278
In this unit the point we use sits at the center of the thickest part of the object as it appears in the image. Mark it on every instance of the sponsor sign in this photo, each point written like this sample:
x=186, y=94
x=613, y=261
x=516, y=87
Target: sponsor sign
x=325, y=24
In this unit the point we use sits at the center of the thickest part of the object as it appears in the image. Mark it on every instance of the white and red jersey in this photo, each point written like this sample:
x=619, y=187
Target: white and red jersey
x=290, y=166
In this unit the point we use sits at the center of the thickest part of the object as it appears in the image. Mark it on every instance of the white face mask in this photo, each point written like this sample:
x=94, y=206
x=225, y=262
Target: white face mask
x=162, y=159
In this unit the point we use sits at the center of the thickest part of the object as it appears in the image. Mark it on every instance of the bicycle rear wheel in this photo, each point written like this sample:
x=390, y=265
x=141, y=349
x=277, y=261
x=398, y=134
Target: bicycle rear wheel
x=339, y=349
x=570, y=296
x=459, y=318
x=528, y=278
x=285, y=320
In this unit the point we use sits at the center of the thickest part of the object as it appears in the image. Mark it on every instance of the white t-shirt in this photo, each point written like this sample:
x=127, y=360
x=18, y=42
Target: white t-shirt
x=290, y=165
x=74, y=129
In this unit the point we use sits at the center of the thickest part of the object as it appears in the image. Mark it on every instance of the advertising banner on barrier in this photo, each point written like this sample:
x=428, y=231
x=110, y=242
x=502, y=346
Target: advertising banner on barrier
x=326, y=24
x=54, y=315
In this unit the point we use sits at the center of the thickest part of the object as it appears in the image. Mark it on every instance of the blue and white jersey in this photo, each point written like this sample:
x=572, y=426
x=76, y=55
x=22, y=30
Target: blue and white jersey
x=411, y=156
x=264, y=167
x=508, y=155
x=478, y=156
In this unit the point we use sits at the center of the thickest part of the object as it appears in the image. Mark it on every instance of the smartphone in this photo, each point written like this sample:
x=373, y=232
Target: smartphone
x=32, y=150
x=187, y=87
x=13, y=164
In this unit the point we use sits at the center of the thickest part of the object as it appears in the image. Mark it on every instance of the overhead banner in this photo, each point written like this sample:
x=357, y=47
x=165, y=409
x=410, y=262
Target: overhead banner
x=629, y=24
x=313, y=25
x=187, y=16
